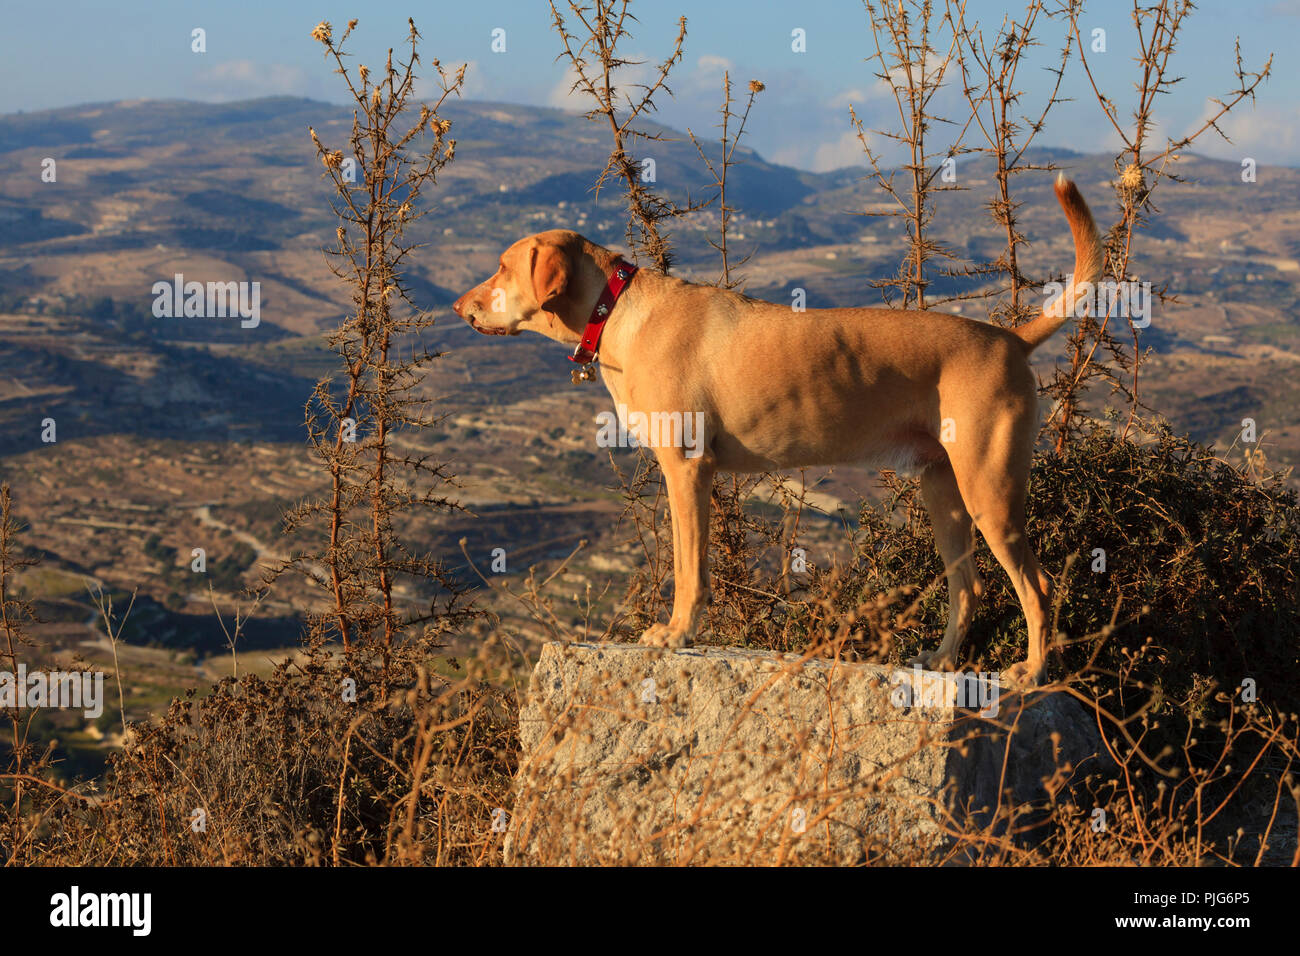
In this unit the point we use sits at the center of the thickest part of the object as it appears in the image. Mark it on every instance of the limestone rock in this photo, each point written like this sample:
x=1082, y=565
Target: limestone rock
x=635, y=754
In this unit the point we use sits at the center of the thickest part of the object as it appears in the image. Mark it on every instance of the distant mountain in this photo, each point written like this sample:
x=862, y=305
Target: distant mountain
x=230, y=180
x=149, y=189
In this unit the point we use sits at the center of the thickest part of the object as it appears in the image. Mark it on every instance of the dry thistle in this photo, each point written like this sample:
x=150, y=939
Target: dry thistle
x=1131, y=179
x=363, y=559
x=1141, y=165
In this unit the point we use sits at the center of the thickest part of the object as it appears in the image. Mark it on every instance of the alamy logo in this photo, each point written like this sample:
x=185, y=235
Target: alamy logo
x=1124, y=300
x=65, y=689
x=973, y=690
x=215, y=300
x=652, y=430
x=102, y=909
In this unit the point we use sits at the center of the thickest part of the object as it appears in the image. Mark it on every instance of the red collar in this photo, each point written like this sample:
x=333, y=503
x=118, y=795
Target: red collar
x=590, y=344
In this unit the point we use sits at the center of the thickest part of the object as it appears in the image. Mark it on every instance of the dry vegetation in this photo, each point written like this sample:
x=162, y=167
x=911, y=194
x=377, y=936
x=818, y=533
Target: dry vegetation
x=374, y=747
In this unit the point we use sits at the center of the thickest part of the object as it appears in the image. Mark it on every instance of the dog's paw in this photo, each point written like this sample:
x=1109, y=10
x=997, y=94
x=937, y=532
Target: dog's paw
x=1023, y=674
x=931, y=661
x=661, y=635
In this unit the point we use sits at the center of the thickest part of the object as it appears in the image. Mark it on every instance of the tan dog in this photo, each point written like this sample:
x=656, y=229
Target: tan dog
x=781, y=389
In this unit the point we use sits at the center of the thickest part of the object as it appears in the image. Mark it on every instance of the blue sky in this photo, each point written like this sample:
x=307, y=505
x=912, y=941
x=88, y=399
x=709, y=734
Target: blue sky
x=76, y=52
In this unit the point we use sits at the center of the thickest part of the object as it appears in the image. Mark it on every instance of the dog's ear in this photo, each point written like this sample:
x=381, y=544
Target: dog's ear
x=550, y=273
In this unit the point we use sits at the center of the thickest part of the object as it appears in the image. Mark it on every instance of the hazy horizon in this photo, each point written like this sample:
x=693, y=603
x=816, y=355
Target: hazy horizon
x=469, y=103
x=800, y=120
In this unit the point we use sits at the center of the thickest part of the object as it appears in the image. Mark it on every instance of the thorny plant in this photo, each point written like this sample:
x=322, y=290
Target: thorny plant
x=596, y=62
x=376, y=757
x=354, y=430
x=1140, y=166
x=26, y=765
x=991, y=87
x=914, y=70
x=719, y=171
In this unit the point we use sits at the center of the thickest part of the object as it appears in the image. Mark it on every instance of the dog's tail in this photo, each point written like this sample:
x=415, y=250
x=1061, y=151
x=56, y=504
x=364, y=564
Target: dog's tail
x=1087, y=267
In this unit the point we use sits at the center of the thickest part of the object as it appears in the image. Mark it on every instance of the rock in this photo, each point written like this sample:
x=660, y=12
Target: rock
x=634, y=754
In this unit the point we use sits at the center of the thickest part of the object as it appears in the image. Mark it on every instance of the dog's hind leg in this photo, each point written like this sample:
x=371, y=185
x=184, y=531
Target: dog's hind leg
x=954, y=536
x=993, y=476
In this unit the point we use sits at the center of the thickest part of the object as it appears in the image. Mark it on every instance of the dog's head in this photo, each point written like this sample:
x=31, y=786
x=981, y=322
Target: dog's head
x=532, y=276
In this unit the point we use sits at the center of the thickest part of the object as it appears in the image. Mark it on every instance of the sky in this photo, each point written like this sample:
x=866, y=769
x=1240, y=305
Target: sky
x=82, y=52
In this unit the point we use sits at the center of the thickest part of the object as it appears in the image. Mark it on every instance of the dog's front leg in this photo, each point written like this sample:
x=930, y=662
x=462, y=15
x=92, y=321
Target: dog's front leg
x=690, y=485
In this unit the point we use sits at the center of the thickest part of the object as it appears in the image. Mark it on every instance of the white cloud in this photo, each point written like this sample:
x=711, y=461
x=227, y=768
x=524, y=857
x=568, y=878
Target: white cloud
x=844, y=151
x=710, y=65
x=476, y=81
x=562, y=95
x=877, y=91
x=1267, y=134
x=624, y=80
x=477, y=87
x=846, y=98
x=244, y=79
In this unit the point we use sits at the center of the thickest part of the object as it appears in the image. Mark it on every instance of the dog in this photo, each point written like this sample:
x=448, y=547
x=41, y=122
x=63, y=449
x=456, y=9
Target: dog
x=782, y=389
